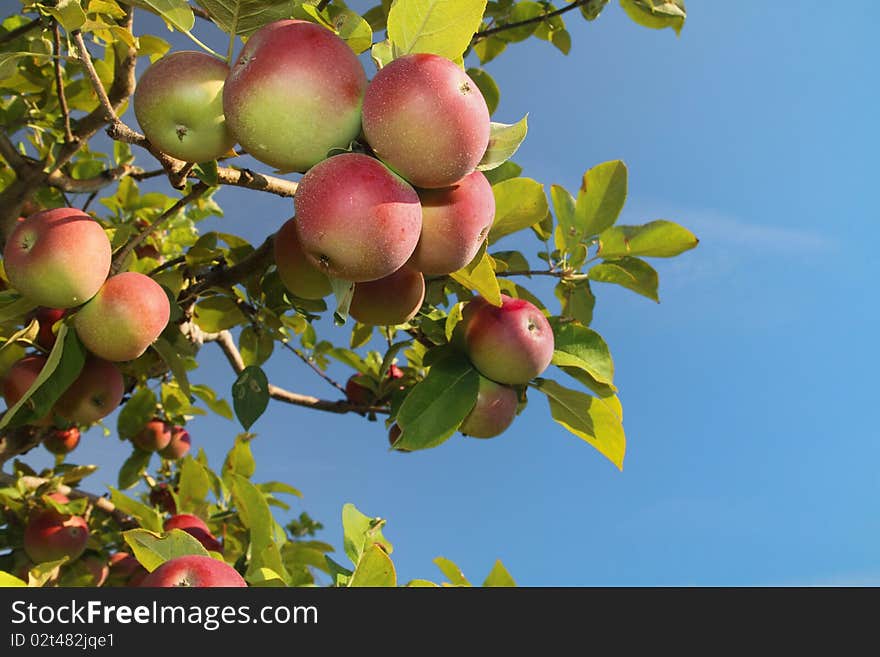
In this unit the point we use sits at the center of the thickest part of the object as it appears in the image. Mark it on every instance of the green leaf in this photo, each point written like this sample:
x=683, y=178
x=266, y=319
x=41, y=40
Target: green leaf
x=176, y=13
x=151, y=549
x=351, y=28
x=209, y=397
x=207, y=172
x=360, y=335
x=8, y=64
x=489, y=48
x=175, y=363
x=592, y=8
x=250, y=395
x=255, y=348
x=148, y=517
x=479, y=275
x=499, y=576
x=343, y=291
x=217, y=314
x=437, y=405
x=374, y=568
x=133, y=467
x=658, y=239
x=591, y=419
x=522, y=11
x=656, y=14
x=577, y=300
x=26, y=335
x=488, y=87
x=600, y=199
x=441, y=27
x=240, y=459
x=243, y=17
x=579, y=346
x=138, y=410
x=62, y=368
x=421, y=583
x=361, y=531
x=382, y=53
x=519, y=203
x=194, y=486
x=69, y=13
x=564, y=208
x=256, y=516
x=504, y=141
x=8, y=581
x=632, y=273
x=452, y=572
x=504, y=172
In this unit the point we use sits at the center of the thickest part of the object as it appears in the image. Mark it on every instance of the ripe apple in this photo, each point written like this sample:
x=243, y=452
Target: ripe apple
x=179, y=106
x=20, y=378
x=50, y=536
x=97, y=568
x=155, y=436
x=298, y=274
x=95, y=394
x=455, y=223
x=57, y=258
x=493, y=412
x=426, y=119
x=509, y=344
x=196, y=527
x=62, y=441
x=391, y=300
x=194, y=570
x=160, y=496
x=126, y=315
x=361, y=395
x=125, y=570
x=355, y=219
x=47, y=318
x=294, y=93
x=179, y=445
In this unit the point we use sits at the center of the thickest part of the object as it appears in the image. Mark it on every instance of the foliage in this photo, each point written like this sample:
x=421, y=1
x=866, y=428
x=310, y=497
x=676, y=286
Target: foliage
x=226, y=290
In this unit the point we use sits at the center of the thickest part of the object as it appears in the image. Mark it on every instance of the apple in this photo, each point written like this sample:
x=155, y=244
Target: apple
x=57, y=258
x=62, y=441
x=47, y=318
x=361, y=395
x=511, y=343
x=161, y=496
x=51, y=535
x=196, y=527
x=126, y=315
x=355, y=219
x=97, y=568
x=20, y=378
x=426, y=119
x=179, y=106
x=125, y=570
x=95, y=393
x=493, y=411
x=388, y=301
x=194, y=570
x=179, y=445
x=294, y=93
x=154, y=436
x=455, y=223
x=296, y=272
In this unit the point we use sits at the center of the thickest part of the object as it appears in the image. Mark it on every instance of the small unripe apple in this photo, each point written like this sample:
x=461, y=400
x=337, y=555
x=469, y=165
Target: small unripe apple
x=195, y=527
x=96, y=393
x=455, y=223
x=179, y=106
x=50, y=536
x=493, y=411
x=124, y=318
x=355, y=219
x=511, y=343
x=196, y=571
x=62, y=441
x=426, y=119
x=296, y=272
x=294, y=93
x=47, y=318
x=57, y=258
x=154, y=436
x=391, y=300
x=178, y=446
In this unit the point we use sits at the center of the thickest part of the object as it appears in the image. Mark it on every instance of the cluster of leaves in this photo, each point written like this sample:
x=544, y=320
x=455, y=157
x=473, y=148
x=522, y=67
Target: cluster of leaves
x=220, y=283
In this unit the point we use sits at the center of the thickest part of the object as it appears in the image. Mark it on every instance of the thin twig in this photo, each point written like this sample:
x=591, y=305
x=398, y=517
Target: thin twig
x=313, y=365
x=528, y=21
x=59, y=83
x=168, y=264
x=65, y=183
x=86, y=59
x=226, y=277
x=89, y=200
x=197, y=190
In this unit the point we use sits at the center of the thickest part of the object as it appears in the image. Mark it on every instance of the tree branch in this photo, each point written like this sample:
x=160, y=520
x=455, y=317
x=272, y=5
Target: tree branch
x=314, y=367
x=528, y=21
x=102, y=503
x=226, y=343
x=9, y=153
x=225, y=277
x=86, y=59
x=65, y=183
x=59, y=83
x=19, y=440
x=19, y=31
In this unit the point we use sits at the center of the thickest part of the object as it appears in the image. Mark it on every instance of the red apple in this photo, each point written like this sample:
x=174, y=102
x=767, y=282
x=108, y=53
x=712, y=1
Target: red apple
x=50, y=536
x=62, y=441
x=493, y=411
x=194, y=570
x=47, y=318
x=95, y=394
x=394, y=299
x=355, y=219
x=20, y=378
x=196, y=527
x=57, y=258
x=155, y=436
x=179, y=445
x=298, y=274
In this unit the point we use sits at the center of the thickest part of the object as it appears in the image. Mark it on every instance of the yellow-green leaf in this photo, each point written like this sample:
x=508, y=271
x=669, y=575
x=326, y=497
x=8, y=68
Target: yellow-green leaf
x=519, y=203
x=504, y=141
x=600, y=199
x=656, y=14
x=374, y=568
x=479, y=275
x=658, y=239
x=441, y=27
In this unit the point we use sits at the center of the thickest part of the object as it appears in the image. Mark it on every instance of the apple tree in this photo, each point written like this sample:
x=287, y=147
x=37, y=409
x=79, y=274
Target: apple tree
x=410, y=225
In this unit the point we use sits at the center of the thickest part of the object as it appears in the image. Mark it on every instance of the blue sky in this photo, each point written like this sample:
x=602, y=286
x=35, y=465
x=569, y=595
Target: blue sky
x=752, y=451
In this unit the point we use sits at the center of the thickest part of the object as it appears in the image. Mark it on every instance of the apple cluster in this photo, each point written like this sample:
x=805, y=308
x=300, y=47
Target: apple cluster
x=60, y=260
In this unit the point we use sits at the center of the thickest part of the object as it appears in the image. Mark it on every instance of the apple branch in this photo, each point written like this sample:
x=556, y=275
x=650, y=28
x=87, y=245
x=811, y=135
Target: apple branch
x=19, y=440
x=313, y=365
x=19, y=31
x=59, y=83
x=225, y=341
x=528, y=21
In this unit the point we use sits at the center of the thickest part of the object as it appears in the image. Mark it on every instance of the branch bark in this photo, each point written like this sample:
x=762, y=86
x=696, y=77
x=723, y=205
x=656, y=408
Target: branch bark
x=528, y=21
